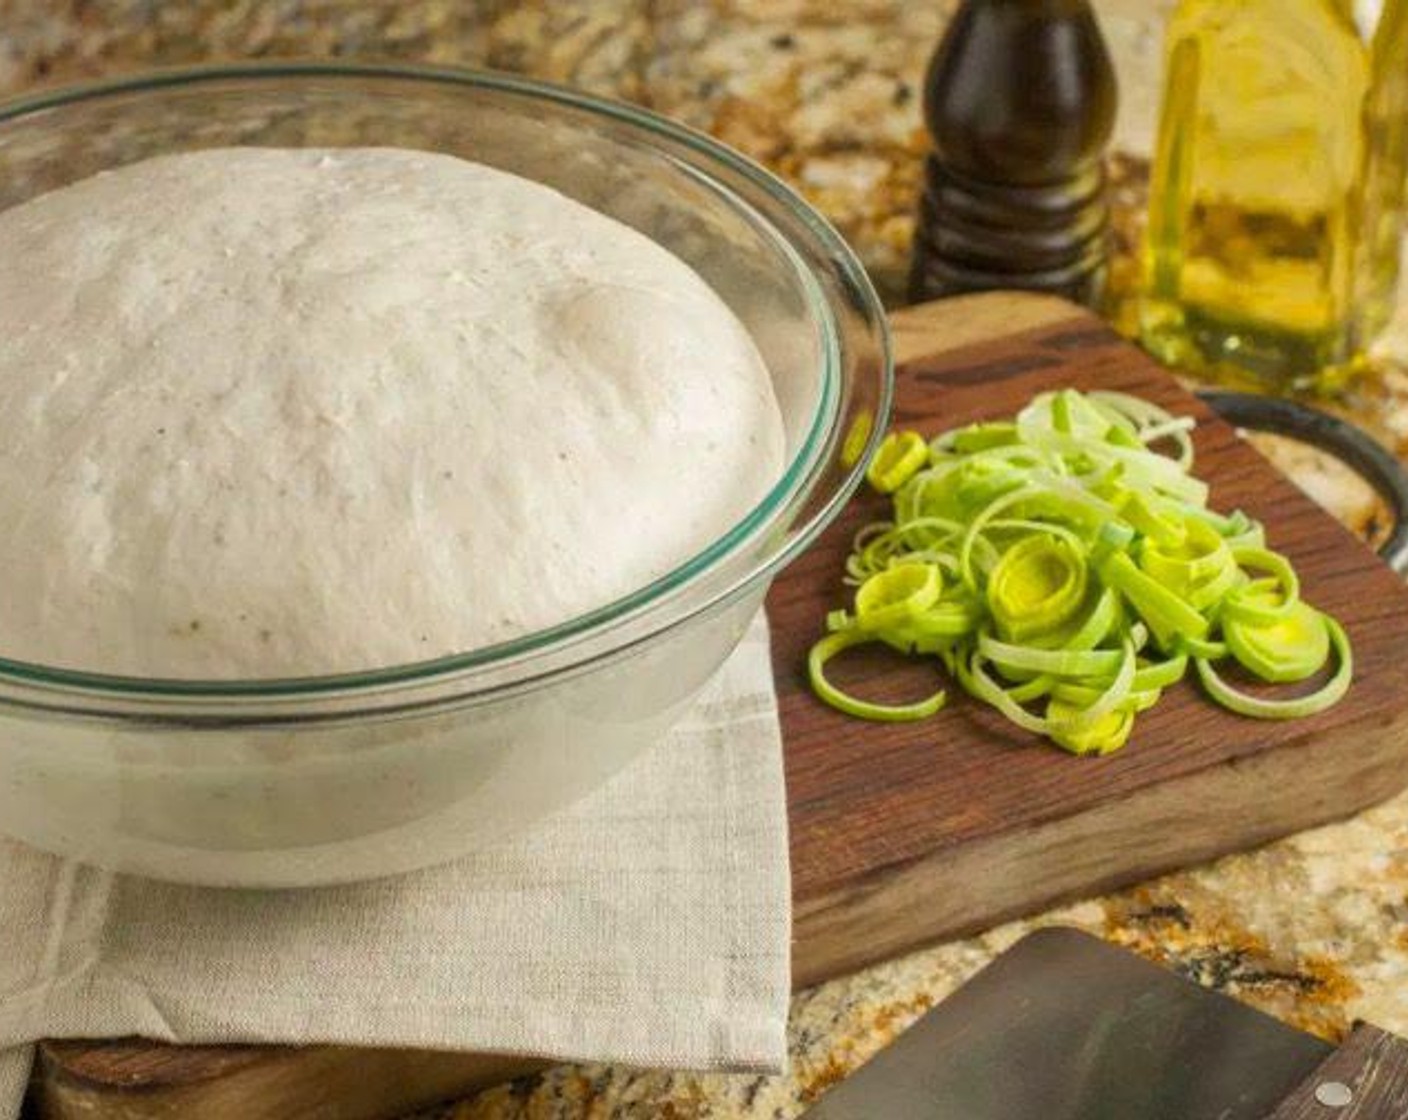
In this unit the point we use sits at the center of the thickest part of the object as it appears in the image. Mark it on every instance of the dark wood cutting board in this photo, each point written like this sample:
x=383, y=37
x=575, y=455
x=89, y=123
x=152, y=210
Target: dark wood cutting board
x=906, y=833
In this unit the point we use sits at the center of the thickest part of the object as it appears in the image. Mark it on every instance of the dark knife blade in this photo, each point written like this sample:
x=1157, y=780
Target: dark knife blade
x=1065, y=1027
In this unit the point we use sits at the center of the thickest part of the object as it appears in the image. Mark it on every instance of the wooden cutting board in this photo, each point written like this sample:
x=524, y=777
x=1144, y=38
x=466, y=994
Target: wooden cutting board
x=906, y=833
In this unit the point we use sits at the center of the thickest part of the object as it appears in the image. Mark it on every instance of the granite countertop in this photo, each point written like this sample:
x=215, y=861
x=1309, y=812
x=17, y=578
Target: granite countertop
x=1314, y=928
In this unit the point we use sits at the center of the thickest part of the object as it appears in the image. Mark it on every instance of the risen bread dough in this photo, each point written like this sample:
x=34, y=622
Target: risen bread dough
x=278, y=412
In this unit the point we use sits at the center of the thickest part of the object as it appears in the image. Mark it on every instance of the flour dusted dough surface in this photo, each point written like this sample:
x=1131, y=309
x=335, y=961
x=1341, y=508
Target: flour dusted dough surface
x=278, y=412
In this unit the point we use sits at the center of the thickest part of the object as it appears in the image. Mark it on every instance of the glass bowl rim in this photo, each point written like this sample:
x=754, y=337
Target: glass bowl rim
x=798, y=477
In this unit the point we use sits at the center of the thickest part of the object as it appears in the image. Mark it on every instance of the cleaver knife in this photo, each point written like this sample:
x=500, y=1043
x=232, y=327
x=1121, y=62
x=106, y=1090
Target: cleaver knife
x=1066, y=1027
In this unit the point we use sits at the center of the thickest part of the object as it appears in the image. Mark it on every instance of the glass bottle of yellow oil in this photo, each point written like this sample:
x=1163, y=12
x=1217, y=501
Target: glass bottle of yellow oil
x=1276, y=194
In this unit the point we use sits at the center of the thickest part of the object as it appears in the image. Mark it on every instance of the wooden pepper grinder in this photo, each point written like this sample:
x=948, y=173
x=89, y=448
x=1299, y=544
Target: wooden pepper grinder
x=1020, y=102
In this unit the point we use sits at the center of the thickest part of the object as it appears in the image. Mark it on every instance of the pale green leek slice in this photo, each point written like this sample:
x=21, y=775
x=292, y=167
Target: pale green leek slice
x=1107, y=734
x=1293, y=707
x=1037, y=586
x=896, y=595
x=829, y=647
x=1262, y=601
x=853, y=446
x=1061, y=662
x=1199, y=554
x=1168, y=616
x=901, y=455
x=1284, y=650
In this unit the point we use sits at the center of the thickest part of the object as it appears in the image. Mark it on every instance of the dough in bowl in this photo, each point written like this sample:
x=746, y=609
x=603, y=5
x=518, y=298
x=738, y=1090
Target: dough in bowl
x=273, y=413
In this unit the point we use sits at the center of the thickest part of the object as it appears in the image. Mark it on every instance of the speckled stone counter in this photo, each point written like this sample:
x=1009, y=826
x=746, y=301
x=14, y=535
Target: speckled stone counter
x=1313, y=929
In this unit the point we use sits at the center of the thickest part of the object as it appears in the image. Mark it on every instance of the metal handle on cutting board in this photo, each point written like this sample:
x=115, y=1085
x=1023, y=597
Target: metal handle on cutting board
x=1346, y=442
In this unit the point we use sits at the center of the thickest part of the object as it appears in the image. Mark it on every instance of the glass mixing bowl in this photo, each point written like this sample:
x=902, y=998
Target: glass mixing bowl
x=296, y=782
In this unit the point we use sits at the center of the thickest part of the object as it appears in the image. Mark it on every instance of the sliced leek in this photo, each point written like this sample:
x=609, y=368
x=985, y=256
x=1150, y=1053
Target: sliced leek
x=899, y=457
x=828, y=648
x=1066, y=572
x=1294, y=707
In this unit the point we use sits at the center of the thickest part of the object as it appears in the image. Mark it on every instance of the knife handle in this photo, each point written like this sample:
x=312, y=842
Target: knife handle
x=1365, y=1079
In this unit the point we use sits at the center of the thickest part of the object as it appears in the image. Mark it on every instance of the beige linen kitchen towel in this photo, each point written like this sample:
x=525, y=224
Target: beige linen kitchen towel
x=648, y=924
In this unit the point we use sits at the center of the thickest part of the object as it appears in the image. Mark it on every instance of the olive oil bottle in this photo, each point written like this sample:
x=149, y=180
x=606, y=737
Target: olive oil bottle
x=1276, y=194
